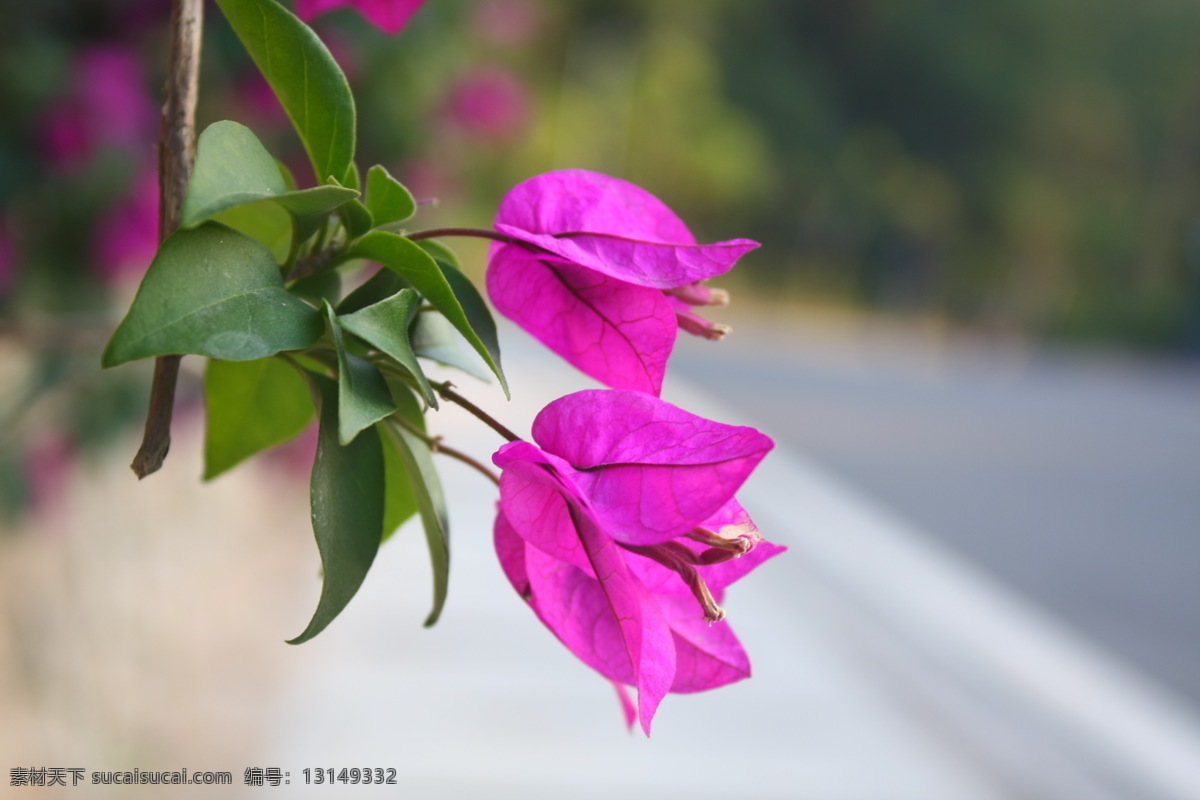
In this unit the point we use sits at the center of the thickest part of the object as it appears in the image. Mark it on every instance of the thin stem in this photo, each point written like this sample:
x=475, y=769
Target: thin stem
x=478, y=233
x=446, y=391
x=435, y=444
x=176, y=155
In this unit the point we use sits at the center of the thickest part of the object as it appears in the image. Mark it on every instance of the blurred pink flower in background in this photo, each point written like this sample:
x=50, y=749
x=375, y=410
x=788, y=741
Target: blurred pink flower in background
x=126, y=235
x=8, y=257
x=390, y=16
x=256, y=103
x=507, y=22
x=104, y=105
x=489, y=104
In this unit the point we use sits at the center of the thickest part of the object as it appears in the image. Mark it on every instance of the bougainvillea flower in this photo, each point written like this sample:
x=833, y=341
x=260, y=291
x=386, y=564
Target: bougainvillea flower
x=106, y=104
x=489, y=104
x=390, y=16
x=126, y=235
x=620, y=529
x=592, y=272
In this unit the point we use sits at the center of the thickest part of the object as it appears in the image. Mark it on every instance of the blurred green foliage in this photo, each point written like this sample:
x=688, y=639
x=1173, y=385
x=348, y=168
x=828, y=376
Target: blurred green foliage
x=1021, y=166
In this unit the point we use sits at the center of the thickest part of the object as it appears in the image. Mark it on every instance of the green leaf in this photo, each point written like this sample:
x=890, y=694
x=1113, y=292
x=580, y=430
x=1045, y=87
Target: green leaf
x=427, y=490
x=387, y=199
x=213, y=292
x=305, y=78
x=433, y=336
x=384, y=326
x=477, y=313
x=426, y=276
x=265, y=222
x=440, y=253
x=356, y=218
x=363, y=396
x=317, y=287
x=347, y=494
x=234, y=169
x=251, y=405
x=400, y=501
x=382, y=285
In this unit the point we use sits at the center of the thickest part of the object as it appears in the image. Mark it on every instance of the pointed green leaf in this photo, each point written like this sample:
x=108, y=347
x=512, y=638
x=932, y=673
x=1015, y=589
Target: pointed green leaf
x=426, y=276
x=321, y=286
x=264, y=222
x=384, y=326
x=468, y=296
x=433, y=336
x=213, y=292
x=477, y=313
x=305, y=78
x=363, y=396
x=440, y=252
x=400, y=501
x=347, y=494
x=234, y=169
x=388, y=200
x=382, y=285
x=356, y=218
x=251, y=405
x=427, y=489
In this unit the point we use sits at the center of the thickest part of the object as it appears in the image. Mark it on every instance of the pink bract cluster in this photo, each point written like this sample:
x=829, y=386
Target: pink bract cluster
x=604, y=274
x=618, y=524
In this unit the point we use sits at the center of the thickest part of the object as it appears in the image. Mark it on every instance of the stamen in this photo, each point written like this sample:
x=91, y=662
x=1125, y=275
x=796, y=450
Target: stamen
x=675, y=556
x=739, y=545
x=697, y=294
x=699, y=326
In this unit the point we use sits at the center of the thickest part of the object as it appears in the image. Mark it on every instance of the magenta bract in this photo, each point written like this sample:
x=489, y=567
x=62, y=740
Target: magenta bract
x=390, y=16
x=620, y=529
x=587, y=277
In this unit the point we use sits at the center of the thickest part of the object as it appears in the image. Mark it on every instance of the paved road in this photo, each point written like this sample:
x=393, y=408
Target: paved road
x=1074, y=479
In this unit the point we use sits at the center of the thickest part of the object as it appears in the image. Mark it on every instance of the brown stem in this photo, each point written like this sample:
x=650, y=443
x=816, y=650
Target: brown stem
x=447, y=392
x=478, y=233
x=435, y=445
x=176, y=155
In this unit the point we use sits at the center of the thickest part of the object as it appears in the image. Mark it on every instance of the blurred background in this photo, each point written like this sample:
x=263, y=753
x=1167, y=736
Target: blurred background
x=977, y=305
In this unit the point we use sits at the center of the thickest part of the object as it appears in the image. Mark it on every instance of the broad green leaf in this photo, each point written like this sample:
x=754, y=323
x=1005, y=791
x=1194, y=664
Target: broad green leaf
x=265, y=222
x=426, y=276
x=325, y=285
x=363, y=396
x=382, y=285
x=427, y=489
x=356, y=218
x=472, y=302
x=213, y=292
x=234, y=169
x=347, y=492
x=305, y=78
x=251, y=405
x=387, y=199
x=477, y=313
x=440, y=252
x=384, y=326
x=433, y=336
